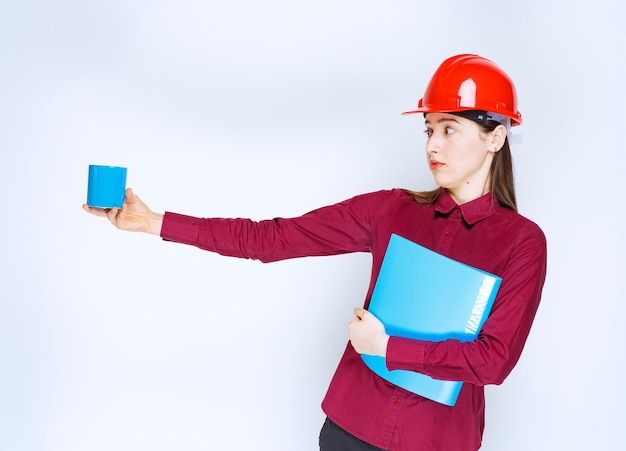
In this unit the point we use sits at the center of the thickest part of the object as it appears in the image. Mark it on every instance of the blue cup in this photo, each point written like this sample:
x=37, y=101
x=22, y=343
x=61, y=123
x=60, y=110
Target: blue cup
x=106, y=187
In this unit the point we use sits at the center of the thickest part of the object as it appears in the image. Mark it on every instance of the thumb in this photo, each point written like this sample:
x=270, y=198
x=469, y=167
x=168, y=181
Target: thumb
x=130, y=196
x=360, y=312
x=133, y=200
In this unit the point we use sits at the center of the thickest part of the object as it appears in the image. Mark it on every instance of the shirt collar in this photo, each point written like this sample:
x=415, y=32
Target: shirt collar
x=472, y=211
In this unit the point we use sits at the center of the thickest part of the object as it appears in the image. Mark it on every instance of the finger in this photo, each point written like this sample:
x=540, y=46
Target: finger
x=94, y=211
x=112, y=215
x=120, y=219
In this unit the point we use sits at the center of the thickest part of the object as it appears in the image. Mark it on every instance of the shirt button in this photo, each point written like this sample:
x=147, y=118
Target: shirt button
x=396, y=400
x=448, y=234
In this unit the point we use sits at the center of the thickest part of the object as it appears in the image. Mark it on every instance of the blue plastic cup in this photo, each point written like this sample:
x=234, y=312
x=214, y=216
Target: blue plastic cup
x=106, y=187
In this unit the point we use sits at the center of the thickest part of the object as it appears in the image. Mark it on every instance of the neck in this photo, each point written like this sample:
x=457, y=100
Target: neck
x=468, y=193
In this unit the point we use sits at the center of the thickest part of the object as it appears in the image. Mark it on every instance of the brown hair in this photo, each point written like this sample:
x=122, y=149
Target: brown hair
x=501, y=183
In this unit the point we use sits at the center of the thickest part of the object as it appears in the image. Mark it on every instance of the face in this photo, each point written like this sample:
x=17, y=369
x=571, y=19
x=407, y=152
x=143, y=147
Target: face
x=459, y=155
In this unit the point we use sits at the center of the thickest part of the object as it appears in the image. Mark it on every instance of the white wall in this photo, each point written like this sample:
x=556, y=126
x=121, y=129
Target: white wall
x=117, y=341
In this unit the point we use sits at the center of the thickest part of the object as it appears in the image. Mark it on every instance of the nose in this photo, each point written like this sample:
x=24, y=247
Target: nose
x=432, y=145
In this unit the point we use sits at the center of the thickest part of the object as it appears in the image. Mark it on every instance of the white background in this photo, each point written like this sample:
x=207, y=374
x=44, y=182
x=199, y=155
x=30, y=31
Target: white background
x=119, y=341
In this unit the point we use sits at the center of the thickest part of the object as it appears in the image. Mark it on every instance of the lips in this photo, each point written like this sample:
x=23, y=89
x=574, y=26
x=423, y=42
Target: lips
x=434, y=165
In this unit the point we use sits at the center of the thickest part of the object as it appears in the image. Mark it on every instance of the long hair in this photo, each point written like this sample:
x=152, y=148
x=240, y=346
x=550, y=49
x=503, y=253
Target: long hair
x=501, y=182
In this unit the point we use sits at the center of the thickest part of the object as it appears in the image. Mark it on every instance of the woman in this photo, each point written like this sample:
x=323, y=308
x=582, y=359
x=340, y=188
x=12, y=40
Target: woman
x=471, y=217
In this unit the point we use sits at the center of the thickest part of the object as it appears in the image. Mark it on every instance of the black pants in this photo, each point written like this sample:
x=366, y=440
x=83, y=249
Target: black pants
x=333, y=438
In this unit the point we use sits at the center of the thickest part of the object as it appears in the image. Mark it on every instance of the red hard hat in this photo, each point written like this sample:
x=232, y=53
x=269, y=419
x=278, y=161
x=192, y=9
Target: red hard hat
x=470, y=82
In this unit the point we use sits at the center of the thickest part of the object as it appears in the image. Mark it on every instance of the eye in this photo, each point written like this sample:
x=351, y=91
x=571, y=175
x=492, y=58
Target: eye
x=428, y=133
x=449, y=130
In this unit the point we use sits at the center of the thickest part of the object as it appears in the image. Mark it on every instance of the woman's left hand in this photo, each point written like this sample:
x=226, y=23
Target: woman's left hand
x=367, y=334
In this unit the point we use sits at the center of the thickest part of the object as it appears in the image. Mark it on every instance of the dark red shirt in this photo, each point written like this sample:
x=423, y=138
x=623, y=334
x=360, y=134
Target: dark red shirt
x=478, y=233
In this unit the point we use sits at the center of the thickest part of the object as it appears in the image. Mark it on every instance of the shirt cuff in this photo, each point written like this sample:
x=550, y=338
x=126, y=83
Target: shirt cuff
x=179, y=228
x=405, y=354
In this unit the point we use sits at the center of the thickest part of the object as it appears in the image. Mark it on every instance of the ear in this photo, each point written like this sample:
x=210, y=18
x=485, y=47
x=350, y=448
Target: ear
x=497, y=138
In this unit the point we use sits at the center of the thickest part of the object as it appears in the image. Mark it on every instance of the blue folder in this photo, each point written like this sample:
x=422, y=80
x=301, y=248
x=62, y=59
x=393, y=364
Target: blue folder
x=424, y=295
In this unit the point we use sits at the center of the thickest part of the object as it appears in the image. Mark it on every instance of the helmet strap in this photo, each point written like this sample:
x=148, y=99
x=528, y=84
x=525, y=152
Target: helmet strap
x=482, y=117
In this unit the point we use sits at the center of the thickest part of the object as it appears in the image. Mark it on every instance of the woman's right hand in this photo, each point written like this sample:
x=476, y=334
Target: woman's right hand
x=134, y=216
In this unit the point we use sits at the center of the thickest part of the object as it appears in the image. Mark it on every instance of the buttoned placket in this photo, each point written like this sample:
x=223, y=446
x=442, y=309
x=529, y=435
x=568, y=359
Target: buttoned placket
x=453, y=222
x=392, y=413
